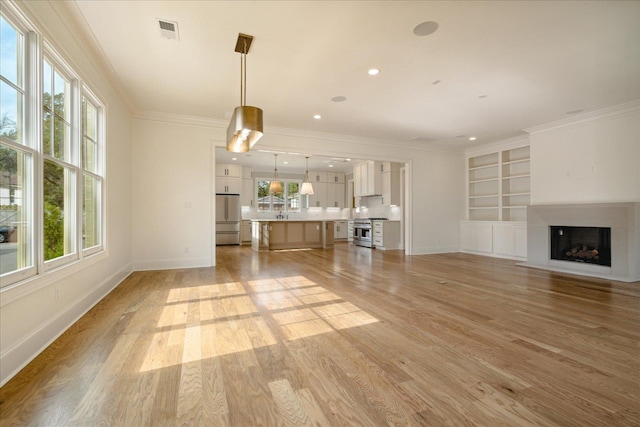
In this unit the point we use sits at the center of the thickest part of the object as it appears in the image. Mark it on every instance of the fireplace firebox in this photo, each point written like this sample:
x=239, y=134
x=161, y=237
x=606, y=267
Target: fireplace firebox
x=590, y=245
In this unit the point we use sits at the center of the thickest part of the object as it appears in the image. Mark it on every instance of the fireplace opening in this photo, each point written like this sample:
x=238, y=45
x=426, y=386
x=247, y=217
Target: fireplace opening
x=590, y=245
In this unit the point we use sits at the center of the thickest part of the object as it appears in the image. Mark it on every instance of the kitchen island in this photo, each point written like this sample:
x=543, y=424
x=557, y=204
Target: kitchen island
x=291, y=234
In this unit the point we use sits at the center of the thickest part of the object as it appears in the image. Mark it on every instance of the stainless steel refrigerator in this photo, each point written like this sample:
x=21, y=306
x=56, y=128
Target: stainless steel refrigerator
x=227, y=219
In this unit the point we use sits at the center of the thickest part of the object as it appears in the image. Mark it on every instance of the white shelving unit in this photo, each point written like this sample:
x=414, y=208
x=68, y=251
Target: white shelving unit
x=499, y=185
x=497, y=200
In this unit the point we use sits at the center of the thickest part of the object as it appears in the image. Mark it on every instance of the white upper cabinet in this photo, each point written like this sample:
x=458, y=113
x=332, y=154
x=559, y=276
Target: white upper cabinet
x=367, y=178
x=234, y=171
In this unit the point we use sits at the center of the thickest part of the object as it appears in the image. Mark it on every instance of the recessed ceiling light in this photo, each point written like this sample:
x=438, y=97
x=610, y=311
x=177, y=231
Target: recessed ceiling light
x=472, y=138
x=373, y=72
x=317, y=116
x=286, y=163
x=339, y=98
x=330, y=166
x=574, y=111
x=234, y=158
x=425, y=28
x=348, y=160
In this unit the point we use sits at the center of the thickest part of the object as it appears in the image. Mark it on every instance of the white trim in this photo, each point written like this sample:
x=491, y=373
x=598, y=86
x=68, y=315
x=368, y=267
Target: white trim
x=586, y=117
x=273, y=131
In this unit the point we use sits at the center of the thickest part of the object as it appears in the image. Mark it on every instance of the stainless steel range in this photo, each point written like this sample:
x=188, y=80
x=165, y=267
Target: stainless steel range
x=363, y=231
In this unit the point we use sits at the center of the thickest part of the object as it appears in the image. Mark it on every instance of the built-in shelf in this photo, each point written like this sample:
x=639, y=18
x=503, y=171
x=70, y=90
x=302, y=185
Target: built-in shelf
x=498, y=185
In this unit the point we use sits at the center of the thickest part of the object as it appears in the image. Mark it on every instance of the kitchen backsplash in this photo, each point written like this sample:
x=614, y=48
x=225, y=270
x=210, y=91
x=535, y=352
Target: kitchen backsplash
x=370, y=207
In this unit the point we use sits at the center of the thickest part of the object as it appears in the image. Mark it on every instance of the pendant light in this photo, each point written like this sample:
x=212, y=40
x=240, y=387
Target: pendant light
x=276, y=185
x=245, y=127
x=307, y=188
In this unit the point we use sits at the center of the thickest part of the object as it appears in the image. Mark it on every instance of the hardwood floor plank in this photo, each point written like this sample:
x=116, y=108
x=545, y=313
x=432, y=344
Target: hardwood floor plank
x=347, y=336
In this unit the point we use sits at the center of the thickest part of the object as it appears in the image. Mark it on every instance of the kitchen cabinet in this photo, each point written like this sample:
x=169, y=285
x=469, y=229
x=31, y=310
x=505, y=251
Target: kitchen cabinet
x=340, y=230
x=502, y=239
x=233, y=171
x=391, y=183
x=386, y=235
x=317, y=176
x=328, y=189
x=335, y=177
x=367, y=178
x=246, y=194
x=267, y=235
x=319, y=197
x=245, y=232
x=335, y=195
x=225, y=185
x=228, y=179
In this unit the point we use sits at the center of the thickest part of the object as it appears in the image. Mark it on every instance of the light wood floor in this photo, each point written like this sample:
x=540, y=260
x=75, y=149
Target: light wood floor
x=343, y=337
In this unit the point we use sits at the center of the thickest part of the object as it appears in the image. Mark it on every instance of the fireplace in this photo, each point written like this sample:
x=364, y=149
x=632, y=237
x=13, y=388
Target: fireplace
x=590, y=245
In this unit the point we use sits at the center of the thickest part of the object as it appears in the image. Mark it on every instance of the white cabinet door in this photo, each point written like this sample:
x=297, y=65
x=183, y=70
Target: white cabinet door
x=484, y=238
x=226, y=170
x=468, y=237
x=246, y=195
x=504, y=240
x=335, y=195
x=228, y=185
x=319, y=197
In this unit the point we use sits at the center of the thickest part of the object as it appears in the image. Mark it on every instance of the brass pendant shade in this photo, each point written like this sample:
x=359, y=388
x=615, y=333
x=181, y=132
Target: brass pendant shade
x=245, y=127
x=307, y=188
x=276, y=185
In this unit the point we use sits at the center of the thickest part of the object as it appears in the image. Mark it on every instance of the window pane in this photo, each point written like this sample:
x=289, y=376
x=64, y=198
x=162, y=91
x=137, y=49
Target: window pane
x=15, y=210
x=91, y=212
x=58, y=211
x=264, y=198
x=47, y=89
x=56, y=132
x=293, y=196
x=46, y=133
x=90, y=120
x=89, y=140
x=61, y=139
x=10, y=53
x=10, y=113
x=61, y=98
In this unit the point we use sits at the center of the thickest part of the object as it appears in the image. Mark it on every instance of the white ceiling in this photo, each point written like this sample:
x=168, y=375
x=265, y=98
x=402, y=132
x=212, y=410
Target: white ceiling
x=502, y=66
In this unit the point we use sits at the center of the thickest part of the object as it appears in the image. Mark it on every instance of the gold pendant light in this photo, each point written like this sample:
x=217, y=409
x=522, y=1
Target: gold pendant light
x=245, y=127
x=276, y=185
x=307, y=188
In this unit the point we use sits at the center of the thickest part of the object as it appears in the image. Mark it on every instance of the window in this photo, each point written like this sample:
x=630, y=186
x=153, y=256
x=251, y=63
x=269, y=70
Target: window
x=287, y=201
x=92, y=180
x=51, y=157
x=16, y=159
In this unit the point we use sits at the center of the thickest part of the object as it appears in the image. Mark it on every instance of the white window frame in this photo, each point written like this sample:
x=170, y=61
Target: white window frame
x=285, y=187
x=36, y=48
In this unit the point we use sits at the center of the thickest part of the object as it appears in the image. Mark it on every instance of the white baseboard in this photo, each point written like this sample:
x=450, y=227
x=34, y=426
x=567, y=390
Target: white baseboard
x=171, y=264
x=20, y=355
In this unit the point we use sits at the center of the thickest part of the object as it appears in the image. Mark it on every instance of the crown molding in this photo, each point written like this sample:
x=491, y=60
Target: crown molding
x=275, y=131
x=503, y=144
x=614, y=110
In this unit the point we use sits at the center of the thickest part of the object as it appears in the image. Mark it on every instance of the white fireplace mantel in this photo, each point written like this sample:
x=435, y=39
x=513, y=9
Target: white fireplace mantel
x=622, y=218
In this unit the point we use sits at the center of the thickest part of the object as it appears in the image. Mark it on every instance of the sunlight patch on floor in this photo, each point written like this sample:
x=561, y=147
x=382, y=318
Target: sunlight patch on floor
x=206, y=321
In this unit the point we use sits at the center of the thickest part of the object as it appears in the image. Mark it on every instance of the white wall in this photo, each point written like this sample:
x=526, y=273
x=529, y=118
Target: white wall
x=594, y=160
x=174, y=157
x=173, y=189
x=30, y=315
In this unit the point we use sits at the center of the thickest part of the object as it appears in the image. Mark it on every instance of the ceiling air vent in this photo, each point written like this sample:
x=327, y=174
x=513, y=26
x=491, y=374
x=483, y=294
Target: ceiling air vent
x=168, y=29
